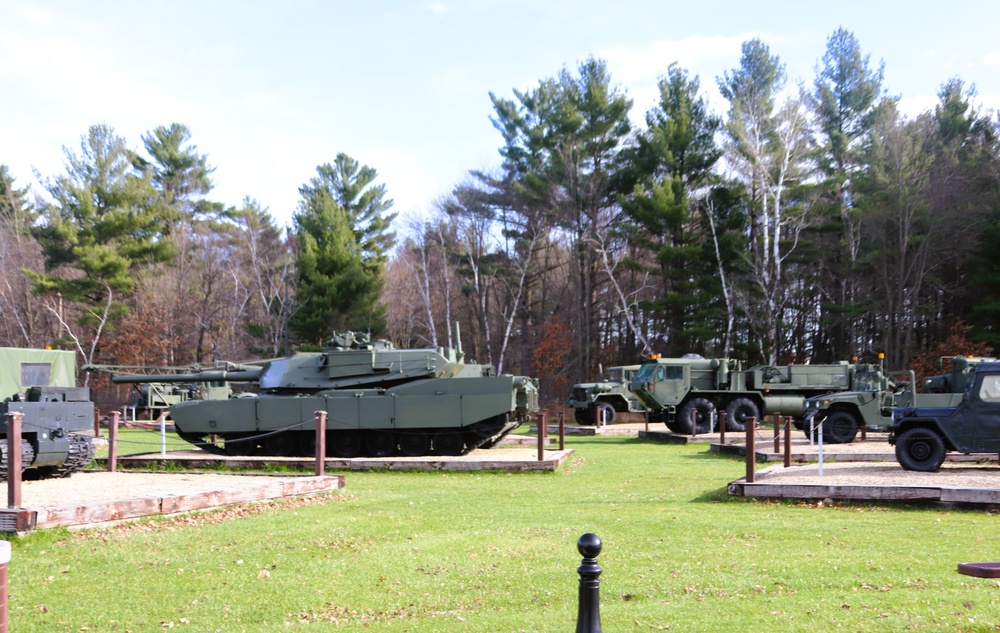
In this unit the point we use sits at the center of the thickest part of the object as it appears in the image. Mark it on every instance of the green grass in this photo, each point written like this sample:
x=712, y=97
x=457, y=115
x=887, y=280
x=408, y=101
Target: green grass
x=497, y=552
x=131, y=441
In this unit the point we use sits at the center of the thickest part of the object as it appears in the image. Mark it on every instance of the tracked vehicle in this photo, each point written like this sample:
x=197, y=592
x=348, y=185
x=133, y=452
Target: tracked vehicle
x=41, y=384
x=378, y=400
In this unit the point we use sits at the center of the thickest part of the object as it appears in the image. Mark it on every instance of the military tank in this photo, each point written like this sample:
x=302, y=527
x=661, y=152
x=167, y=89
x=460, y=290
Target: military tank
x=378, y=400
x=57, y=415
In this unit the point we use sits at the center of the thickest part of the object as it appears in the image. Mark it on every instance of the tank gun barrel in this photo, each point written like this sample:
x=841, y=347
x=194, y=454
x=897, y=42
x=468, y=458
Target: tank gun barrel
x=240, y=374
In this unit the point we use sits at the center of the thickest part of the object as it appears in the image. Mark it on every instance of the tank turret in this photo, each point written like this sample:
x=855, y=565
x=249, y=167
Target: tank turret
x=378, y=399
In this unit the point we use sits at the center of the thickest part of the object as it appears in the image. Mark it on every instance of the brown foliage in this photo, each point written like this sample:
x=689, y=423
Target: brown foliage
x=550, y=358
x=935, y=361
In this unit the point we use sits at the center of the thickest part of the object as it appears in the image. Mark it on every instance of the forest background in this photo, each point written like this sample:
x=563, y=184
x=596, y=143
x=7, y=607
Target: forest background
x=807, y=223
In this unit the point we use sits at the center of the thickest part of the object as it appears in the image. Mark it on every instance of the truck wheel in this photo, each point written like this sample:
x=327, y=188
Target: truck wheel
x=920, y=449
x=703, y=409
x=582, y=416
x=604, y=413
x=839, y=427
x=737, y=413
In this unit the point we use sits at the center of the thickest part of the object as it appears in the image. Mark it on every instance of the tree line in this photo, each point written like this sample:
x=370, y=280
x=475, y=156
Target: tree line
x=805, y=223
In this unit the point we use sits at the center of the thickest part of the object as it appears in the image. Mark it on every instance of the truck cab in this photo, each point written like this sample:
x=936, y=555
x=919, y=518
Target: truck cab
x=923, y=435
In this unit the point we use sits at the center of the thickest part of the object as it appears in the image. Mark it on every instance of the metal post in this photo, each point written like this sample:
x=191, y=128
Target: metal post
x=320, y=443
x=751, y=423
x=864, y=432
x=788, y=441
x=588, y=618
x=97, y=422
x=722, y=427
x=541, y=437
x=645, y=414
x=14, y=457
x=4, y=559
x=820, y=440
x=562, y=430
x=113, y=442
x=777, y=433
x=163, y=433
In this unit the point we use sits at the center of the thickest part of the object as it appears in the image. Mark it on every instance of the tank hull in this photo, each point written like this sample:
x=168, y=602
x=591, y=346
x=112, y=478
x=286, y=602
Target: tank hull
x=477, y=411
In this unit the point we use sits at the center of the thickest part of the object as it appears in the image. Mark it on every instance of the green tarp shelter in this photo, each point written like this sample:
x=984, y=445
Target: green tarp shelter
x=23, y=368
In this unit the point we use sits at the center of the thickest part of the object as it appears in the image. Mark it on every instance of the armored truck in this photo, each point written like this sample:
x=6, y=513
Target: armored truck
x=378, y=399
x=600, y=402
x=41, y=384
x=841, y=415
x=676, y=389
x=923, y=435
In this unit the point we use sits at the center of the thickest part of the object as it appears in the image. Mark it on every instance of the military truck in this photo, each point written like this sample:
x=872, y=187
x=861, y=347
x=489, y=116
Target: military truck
x=600, y=402
x=923, y=435
x=675, y=389
x=41, y=384
x=843, y=414
x=378, y=399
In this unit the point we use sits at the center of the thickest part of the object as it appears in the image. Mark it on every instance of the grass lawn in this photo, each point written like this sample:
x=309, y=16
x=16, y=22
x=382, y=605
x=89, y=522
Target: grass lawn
x=497, y=552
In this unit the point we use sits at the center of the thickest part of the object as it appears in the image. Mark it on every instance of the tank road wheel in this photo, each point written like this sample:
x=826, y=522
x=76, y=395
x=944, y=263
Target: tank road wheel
x=839, y=427
x=280, y=444
x=737, y=413
x=305, y=443
x=414, y=443
x=703, y=410
x=380, y=443
x=604, y=413
x=920, y=449
x=448, y=443
x=240, y=444
x=344, y=444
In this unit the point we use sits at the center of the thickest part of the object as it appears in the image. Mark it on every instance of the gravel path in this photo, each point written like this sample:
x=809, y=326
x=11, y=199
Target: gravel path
x=89, y=487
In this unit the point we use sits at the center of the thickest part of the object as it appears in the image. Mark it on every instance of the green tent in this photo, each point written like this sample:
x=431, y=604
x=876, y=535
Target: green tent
x=23, y=368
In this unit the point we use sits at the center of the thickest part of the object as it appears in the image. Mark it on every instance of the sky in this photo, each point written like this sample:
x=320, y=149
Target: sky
x=271, y=90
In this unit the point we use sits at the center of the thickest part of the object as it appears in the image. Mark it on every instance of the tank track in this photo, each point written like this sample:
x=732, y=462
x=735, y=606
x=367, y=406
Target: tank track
x=27, y=456
x=81, y=453
x=483, y=434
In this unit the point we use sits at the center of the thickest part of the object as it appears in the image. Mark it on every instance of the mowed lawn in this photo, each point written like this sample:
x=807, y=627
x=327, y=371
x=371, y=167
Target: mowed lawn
x=497, y=552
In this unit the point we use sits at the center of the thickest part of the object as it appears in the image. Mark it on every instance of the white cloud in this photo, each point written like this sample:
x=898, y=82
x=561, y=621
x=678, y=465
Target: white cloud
x=437, y=8
x=992, y=59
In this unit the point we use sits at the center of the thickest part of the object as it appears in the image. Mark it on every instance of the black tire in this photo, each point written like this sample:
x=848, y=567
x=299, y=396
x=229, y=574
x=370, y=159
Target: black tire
x=448, y=443
x=414, y=443
x=703, y=410
x=582, y=417
x=380, y=443
x=344, y=444
x=920, y=449
x=737, y=412
x=840, y=427
x=282, y=444
x=605, y=412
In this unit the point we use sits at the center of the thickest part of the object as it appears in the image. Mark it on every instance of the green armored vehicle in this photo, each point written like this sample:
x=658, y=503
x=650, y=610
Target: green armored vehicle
x=923, y=435
x=378, y=400
x=843, y=414
x=675, y=389
x=599, y=402
x=41, y=384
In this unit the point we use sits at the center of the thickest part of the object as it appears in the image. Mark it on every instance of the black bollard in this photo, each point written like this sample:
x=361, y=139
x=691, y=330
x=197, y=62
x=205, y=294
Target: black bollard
x=588, y=619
